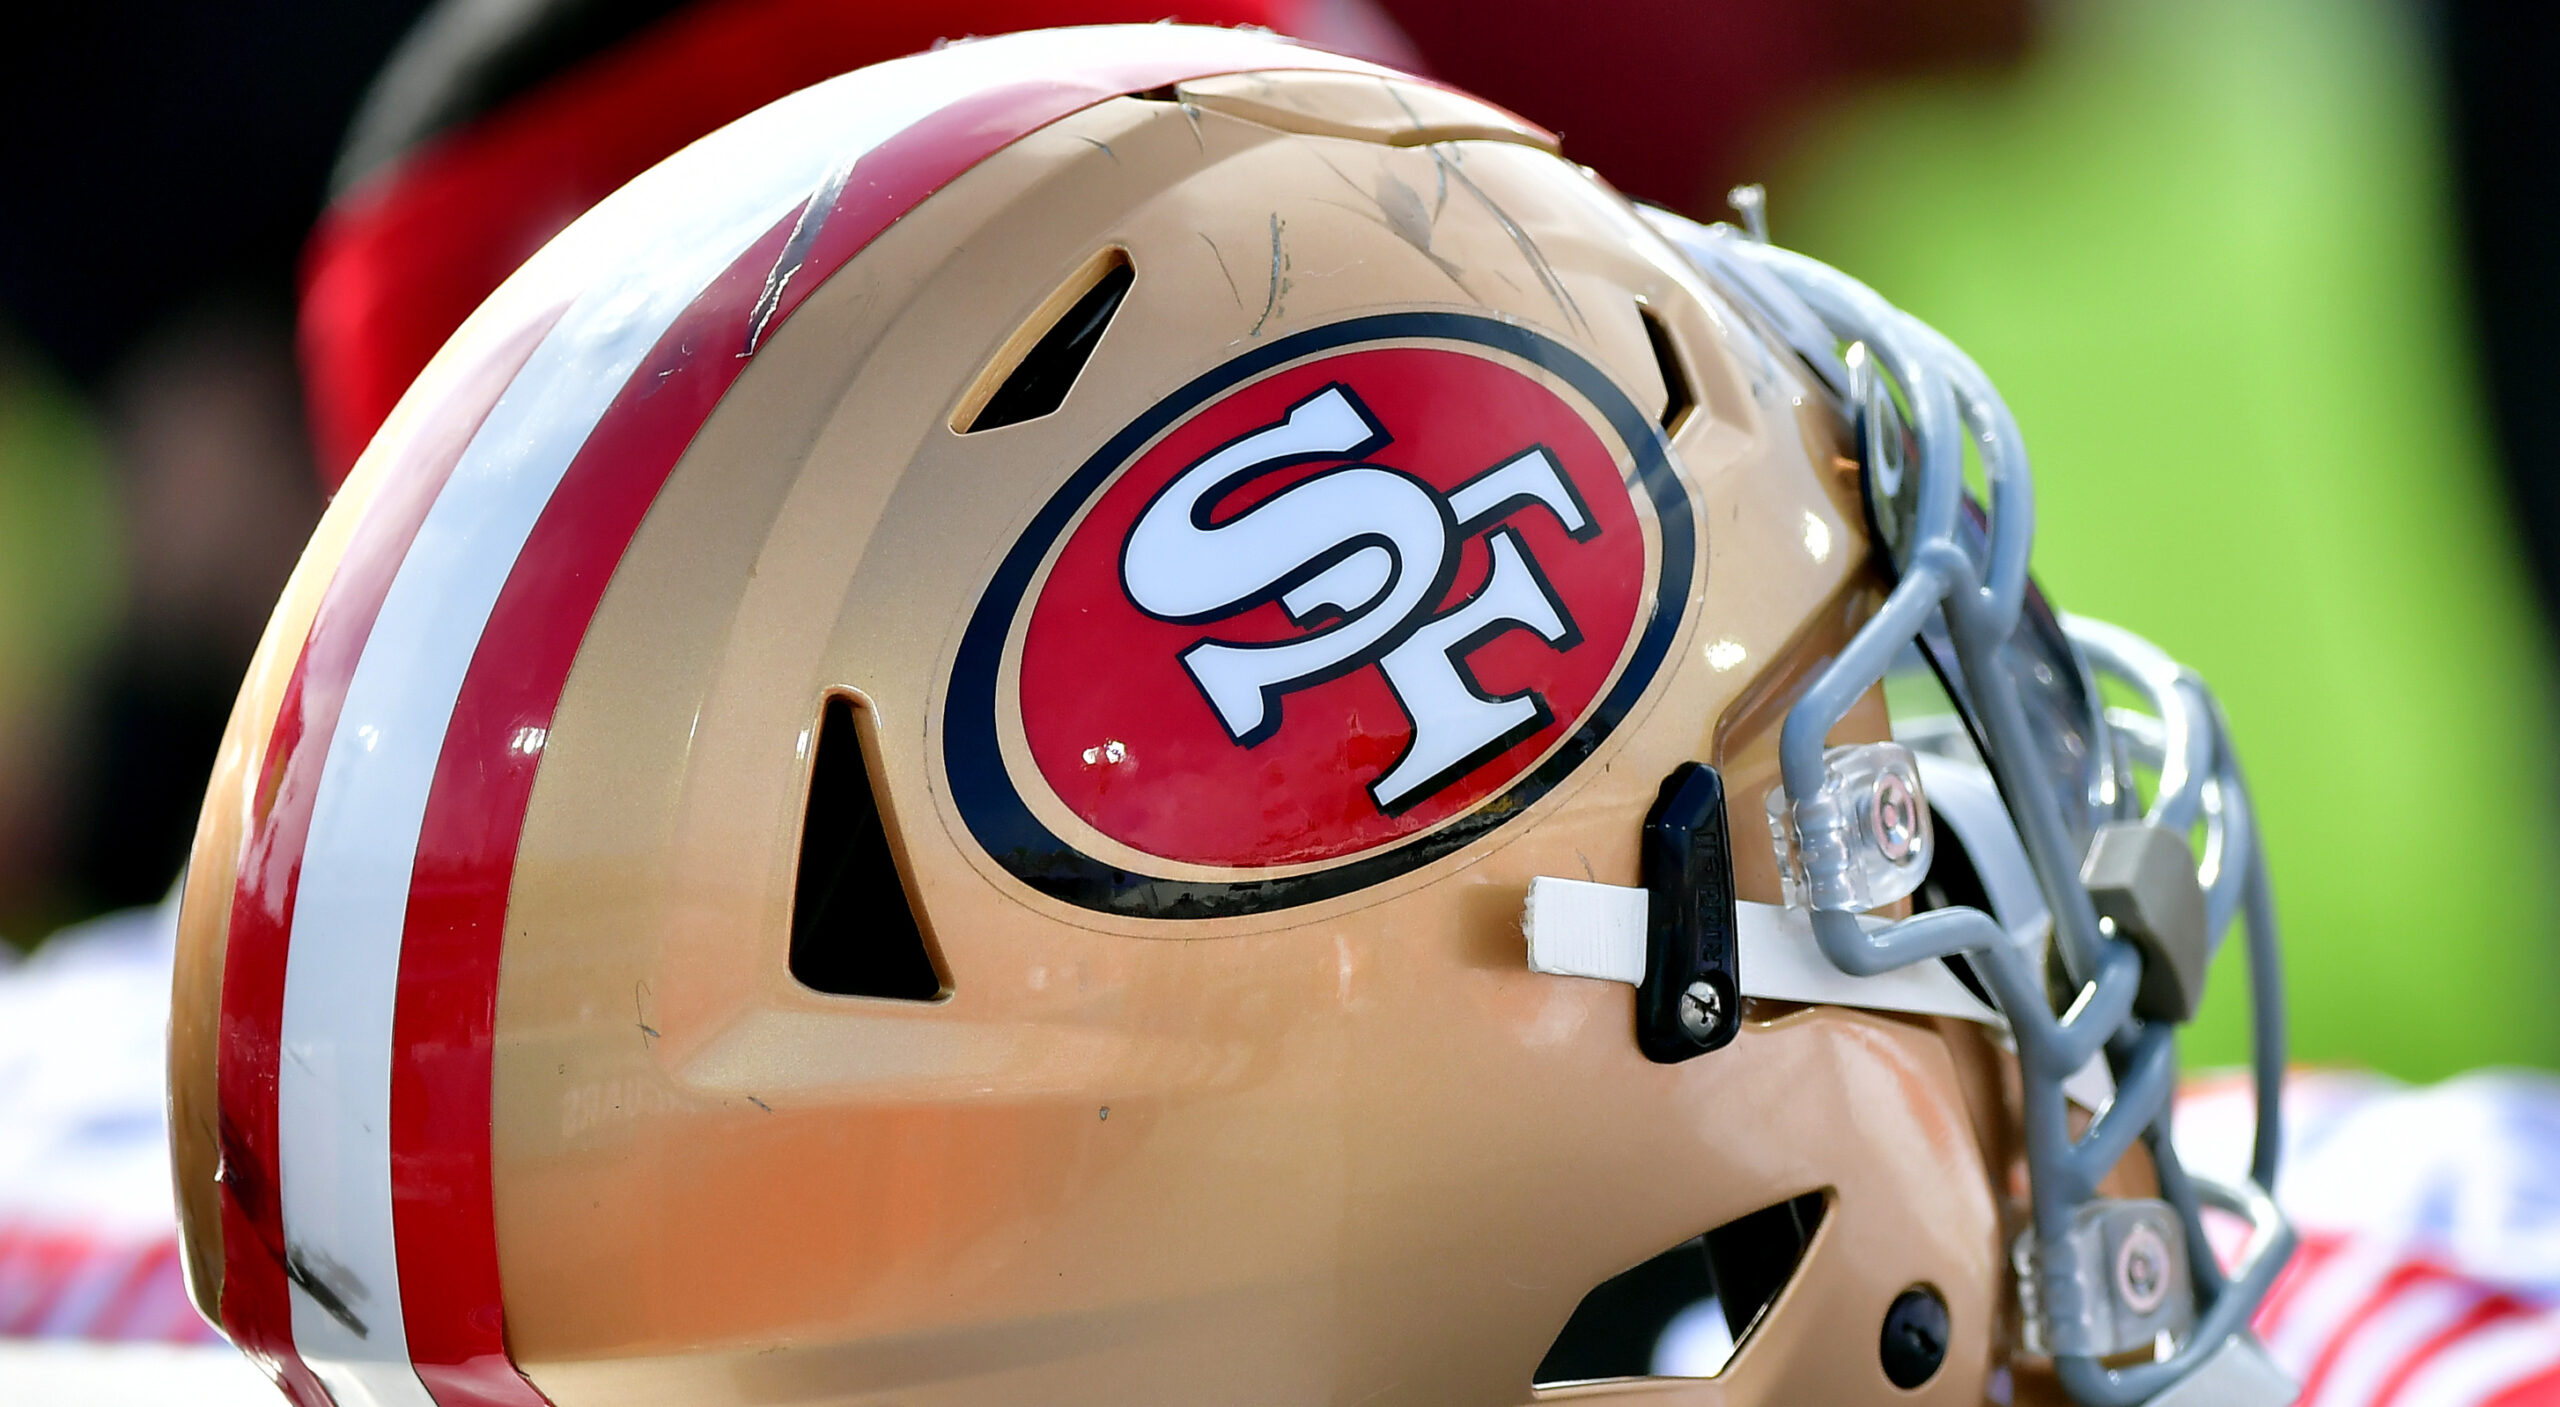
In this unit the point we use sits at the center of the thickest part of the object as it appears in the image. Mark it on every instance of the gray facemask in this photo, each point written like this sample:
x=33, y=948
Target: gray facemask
x=2138, y=896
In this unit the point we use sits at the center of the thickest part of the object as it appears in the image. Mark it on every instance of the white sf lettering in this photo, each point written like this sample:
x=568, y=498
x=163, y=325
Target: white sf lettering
x=1358, y=555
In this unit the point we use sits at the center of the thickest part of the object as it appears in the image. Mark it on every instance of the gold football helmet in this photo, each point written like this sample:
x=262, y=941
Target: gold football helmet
x=1141, y=715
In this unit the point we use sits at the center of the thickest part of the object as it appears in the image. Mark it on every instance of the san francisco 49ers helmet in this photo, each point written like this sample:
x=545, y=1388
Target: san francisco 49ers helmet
x=1138, y=715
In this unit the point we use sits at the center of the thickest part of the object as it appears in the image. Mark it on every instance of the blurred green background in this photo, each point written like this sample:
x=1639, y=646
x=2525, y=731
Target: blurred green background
x=60, y=575
x=2205, y=250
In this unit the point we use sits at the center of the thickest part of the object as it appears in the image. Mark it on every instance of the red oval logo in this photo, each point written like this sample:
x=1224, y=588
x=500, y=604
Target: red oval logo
x=1315, y=612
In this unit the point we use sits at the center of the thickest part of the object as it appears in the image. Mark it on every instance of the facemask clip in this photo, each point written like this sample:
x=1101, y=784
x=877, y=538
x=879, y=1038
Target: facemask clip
x=2116, y=1284
x=1861, y=842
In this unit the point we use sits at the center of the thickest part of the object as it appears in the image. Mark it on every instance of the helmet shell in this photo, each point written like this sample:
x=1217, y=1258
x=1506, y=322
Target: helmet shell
x=555, y=1073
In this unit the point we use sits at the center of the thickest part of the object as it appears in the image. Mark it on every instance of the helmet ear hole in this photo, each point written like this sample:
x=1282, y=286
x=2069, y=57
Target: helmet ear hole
x=854, y=931
x=1686, y=1312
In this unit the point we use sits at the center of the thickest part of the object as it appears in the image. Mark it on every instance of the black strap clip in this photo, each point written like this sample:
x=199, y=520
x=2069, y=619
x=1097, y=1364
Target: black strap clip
x=1691, y=1000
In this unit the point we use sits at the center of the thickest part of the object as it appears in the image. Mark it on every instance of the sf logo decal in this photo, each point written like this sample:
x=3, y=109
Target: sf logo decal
x=1373, y=550
x=1328, y=612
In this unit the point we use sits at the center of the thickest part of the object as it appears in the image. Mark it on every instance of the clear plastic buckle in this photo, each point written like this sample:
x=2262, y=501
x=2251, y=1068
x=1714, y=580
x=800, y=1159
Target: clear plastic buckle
x=1861, y=842
x=2117, y=1284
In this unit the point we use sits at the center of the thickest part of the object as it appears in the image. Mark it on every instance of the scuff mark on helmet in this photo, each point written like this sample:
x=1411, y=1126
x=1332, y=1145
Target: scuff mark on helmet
x=795, y=252
x=330, y=1286
x=1528, y=247
x=1279, y=281
x=1223, y=272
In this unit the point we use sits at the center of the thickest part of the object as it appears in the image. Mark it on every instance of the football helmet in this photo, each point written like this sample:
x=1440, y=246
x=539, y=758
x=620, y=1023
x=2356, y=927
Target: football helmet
x=1138, y=714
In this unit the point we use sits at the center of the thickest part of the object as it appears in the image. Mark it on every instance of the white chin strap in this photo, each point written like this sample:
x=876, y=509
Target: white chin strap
x=1577, y=928
x=1580, y=929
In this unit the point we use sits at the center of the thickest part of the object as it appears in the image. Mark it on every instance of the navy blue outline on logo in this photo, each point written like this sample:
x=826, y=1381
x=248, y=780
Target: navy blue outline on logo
x=993, y=808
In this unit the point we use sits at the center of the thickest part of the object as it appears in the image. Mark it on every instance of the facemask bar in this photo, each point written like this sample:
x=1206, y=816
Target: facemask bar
x=2185, y=740
x=1977, y=592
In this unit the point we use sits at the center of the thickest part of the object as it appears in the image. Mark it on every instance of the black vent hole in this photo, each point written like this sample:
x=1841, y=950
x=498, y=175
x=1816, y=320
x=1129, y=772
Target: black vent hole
x=1687, y=1311
x=853, y=926
x=1679, y=399
x=1037, y=366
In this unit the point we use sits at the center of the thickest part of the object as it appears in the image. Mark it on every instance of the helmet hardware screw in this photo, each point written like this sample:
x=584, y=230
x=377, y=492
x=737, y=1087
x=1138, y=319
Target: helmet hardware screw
x=2142, y=1270
x=1915, y=1337
x=1701, y=1011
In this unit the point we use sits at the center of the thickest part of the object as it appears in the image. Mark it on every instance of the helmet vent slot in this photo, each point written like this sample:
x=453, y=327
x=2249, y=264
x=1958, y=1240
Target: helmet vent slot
x=853, y=926
x=1031, y=375
x=1679, y=398
x=1687, y=1311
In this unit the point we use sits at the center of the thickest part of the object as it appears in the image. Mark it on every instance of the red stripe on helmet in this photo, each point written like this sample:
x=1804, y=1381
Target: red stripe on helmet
x=443, y=1031
x=256, y=1308
x=444, y=1027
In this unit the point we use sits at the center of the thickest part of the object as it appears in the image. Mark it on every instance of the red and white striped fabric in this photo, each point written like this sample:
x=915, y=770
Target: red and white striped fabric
x=86, y=1243
x=359, y=989
x=74, y=1284
x=2429, y=1274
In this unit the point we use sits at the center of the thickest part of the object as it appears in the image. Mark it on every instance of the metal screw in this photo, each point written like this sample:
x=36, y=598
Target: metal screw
x=1896, y=820
x=2142, y=1270
x=1701, y=1011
